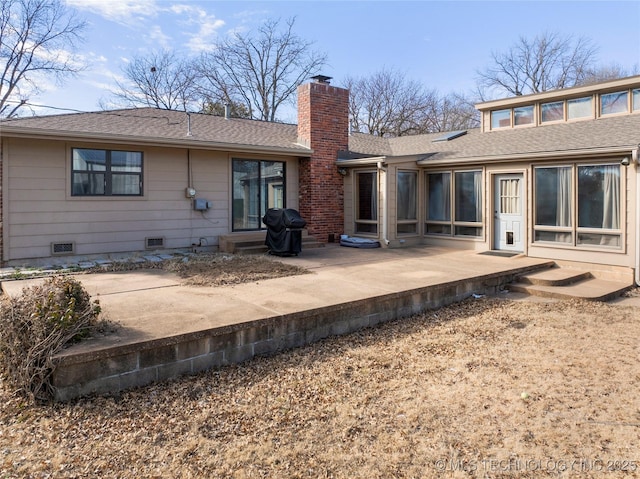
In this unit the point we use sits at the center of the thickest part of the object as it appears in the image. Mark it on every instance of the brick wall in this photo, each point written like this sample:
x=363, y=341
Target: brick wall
x=323, y=125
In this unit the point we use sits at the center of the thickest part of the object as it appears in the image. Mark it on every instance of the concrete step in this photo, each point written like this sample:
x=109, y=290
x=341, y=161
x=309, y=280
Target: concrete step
x=555, y=277
x=252, y=242
x=592, y=289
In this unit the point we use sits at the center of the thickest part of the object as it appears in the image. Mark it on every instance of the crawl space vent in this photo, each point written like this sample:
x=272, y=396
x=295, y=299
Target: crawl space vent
x=62, y=248
x=152, y=243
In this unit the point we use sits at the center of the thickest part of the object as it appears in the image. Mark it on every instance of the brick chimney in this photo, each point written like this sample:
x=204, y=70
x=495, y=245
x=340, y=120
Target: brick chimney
x=323, y=125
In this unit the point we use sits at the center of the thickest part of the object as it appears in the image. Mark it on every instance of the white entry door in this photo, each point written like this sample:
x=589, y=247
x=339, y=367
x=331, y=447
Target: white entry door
x=508, y=212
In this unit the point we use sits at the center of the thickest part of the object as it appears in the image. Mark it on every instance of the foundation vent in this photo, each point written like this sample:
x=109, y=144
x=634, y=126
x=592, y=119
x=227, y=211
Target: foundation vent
x=153, y=243
x=63, y=248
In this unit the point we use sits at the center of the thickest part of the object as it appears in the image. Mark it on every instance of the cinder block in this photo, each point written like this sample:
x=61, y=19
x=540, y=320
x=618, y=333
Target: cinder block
x=238, y=355
x=222, y=342
x=264, y=348
x=80, y=373
x=138, y=378
x=191, y=349
x=208, y=361
x=158, y=356
x=174, y=369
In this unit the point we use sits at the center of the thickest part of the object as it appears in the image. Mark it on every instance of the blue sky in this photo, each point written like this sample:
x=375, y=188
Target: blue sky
x=438, y=43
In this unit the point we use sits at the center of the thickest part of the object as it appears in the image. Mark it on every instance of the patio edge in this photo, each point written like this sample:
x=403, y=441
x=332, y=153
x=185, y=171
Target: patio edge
x=115, y=369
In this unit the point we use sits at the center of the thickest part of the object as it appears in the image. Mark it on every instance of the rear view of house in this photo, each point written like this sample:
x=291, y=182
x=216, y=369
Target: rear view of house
x=551, y=175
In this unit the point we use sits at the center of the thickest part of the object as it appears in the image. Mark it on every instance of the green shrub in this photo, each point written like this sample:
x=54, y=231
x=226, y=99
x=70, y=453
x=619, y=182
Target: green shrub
x=37, y=325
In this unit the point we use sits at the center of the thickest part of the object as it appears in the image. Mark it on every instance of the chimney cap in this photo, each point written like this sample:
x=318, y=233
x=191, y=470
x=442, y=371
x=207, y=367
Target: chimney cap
x=321, y=78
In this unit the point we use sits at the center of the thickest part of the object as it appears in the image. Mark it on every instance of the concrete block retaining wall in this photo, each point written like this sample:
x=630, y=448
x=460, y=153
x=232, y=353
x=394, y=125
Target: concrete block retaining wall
x=119, y=368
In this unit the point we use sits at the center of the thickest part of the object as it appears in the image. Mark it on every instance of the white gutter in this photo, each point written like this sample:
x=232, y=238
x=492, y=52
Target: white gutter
x=385, y=221
x=545, y=155
x=370, y=160
x=188, y=141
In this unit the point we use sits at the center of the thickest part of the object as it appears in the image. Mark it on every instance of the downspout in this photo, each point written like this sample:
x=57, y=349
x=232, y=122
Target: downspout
x=634, y=159
x=385, y=221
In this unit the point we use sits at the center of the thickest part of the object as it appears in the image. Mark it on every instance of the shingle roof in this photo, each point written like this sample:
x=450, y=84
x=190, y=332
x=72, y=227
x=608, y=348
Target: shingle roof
x=207, y=131
x=563, y=138
x=164, y=126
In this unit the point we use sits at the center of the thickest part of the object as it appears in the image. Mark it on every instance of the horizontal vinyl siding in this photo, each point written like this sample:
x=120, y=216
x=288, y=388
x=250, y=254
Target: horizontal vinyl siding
x=40, y=209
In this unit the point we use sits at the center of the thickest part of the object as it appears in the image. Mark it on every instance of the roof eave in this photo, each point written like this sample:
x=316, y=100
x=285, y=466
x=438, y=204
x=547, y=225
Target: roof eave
x=371, y=160
x=552, y=95
x=189, y=142
x=543, y=155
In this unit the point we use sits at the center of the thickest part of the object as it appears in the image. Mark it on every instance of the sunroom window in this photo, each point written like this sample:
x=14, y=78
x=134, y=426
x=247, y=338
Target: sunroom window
x=579, y=108
x=438, y=203
x=553, y=205
x=599, y=205
x=553, y=111
x=611, y=103
x=523, y=115
x=500, y=119
x=367, y=202
x=596, y=189
x=106, y=172
x=465, y=203
x=407, y=202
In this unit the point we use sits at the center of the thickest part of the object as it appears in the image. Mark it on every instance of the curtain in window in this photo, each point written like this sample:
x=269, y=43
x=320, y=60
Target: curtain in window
x=510, y=196
x=439, y=197
x=406, y=207
x=611, y=207
x=477, y=186
x=611, y=204
x=468, y=196
x=367, y=184
x=374, y=196
x=563, y=204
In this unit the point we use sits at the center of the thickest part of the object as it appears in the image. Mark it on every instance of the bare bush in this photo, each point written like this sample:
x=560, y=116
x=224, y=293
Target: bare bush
x=37, y=325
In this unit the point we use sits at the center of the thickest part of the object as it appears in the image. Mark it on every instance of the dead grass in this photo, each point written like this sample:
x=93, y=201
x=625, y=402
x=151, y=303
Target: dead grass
x=438, y=395
x=213, y=269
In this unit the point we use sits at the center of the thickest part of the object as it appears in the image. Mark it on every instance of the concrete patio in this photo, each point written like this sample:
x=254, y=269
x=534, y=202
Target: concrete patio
x=167, y=329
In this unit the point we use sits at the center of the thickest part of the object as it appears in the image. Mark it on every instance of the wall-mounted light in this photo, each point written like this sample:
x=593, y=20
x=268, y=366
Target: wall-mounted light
x=343, y=171
x=625, y=161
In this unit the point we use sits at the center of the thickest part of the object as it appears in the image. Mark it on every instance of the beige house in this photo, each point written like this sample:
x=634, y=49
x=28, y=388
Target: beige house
x=551, y=175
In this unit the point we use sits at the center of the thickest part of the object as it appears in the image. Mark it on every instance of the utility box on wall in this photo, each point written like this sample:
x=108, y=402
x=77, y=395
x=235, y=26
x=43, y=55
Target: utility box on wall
x=200, y=204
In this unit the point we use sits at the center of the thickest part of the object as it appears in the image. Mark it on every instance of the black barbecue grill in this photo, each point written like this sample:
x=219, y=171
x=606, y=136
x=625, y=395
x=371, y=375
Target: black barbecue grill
x=284, y=231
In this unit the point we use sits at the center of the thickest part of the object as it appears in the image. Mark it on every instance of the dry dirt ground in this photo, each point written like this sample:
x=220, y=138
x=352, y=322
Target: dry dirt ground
x=214, y=269
x=486, y=388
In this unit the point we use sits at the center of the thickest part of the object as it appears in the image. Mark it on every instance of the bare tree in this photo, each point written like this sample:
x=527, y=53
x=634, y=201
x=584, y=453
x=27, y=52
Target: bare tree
x=387, y=104
x=609, y=72
x=547, y=62
x=261, y=71
x=36, y=37
x=451, y=112
x=162, y=79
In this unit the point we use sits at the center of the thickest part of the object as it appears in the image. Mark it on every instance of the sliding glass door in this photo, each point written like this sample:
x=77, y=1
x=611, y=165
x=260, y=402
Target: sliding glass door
x=257, y=186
